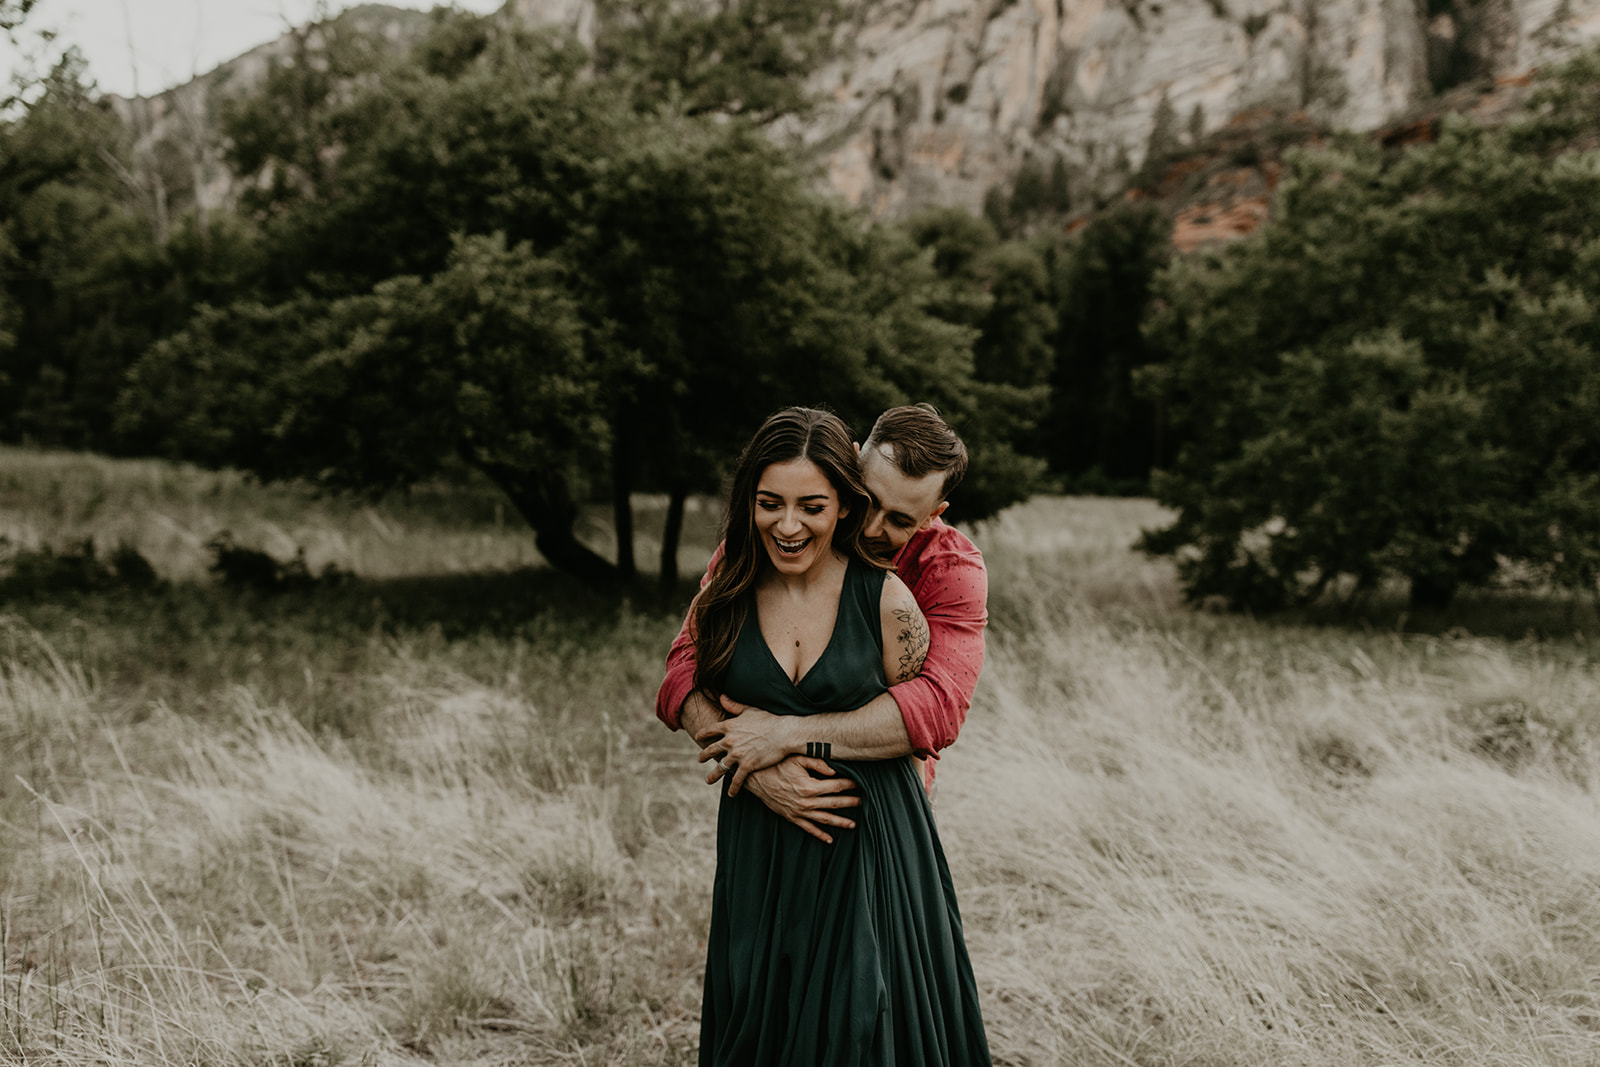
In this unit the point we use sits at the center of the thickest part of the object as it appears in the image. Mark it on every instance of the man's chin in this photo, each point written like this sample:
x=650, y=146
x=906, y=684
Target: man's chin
x=882, y=550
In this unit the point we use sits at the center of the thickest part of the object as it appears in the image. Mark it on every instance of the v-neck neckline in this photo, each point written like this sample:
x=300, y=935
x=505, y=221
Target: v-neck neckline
x=833, y=634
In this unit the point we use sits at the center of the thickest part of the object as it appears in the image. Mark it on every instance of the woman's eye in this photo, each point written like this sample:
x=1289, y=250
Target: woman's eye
x=767, y=505
x=813, y=511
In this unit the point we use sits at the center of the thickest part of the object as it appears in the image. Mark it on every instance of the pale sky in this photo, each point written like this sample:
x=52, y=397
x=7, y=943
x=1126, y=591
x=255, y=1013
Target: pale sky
x=170, y=41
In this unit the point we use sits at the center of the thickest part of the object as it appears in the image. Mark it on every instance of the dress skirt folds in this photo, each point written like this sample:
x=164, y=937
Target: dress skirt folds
x=844, y=954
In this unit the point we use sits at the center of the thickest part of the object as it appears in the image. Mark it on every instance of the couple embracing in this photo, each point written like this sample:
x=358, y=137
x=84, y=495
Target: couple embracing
x=831, y=653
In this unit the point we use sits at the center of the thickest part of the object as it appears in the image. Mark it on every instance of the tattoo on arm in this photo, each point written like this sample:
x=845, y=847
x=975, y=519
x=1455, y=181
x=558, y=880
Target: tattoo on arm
x=913, y=640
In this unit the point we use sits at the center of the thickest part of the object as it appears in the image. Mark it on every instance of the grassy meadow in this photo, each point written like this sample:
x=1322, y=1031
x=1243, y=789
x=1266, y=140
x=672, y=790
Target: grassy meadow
x=425, y=814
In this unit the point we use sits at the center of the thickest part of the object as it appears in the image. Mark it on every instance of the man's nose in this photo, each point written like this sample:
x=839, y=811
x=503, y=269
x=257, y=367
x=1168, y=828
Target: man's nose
x=874, y=527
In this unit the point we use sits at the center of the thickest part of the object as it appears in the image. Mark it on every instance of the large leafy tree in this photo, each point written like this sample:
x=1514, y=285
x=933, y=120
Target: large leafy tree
x=648, y=281
x=88, y=280
x=481, y=363
x=1399, y=376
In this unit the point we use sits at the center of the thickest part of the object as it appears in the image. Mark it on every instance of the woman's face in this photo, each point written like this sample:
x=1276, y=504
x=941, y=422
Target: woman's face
x=796, y=510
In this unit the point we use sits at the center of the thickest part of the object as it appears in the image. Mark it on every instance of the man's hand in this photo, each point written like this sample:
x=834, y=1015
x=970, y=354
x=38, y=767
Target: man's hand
x=791, y=789
x=746, y=740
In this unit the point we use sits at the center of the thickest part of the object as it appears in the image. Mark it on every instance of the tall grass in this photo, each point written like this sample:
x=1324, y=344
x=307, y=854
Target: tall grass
x=169, y=513
x=428, y=816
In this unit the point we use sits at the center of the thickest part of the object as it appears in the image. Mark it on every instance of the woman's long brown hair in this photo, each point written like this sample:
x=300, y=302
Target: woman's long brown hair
x=794, y=433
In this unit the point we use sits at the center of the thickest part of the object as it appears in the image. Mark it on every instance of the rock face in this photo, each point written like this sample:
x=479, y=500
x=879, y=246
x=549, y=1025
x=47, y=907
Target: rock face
x=177, y=150
x=939, y=101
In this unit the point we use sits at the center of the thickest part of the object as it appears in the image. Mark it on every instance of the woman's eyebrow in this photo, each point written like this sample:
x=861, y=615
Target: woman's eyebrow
x=779, y=496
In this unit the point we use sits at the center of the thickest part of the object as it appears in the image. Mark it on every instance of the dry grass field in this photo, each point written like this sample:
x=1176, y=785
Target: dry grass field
x=425, y=815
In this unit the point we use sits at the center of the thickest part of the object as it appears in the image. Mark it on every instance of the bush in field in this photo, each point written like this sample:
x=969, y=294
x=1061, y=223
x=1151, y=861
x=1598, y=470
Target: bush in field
x=1400, y=376
x=250, y=568
x=31, y=574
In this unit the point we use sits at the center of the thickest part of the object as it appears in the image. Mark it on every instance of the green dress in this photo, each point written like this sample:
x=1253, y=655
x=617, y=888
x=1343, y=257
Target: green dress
x=844, y=954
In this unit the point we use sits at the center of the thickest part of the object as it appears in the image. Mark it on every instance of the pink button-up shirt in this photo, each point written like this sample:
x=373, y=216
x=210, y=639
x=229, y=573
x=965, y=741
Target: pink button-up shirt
x=945, y=573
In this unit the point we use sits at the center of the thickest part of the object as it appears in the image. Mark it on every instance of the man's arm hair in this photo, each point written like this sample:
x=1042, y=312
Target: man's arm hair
x=696, y=713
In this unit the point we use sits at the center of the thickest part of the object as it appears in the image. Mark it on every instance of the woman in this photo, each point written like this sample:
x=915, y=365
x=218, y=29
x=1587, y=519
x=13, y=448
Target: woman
x=850, y=953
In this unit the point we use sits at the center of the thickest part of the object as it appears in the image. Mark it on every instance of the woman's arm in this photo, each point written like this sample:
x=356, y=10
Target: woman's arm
x=905, y=632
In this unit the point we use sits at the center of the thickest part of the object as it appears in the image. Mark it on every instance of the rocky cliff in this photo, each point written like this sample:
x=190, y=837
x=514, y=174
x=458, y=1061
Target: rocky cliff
x=938, y=101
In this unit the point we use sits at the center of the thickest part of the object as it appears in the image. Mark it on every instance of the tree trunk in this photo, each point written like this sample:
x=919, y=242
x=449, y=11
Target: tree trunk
x=621, y=500
x=565, y=552
x=671, y=534
x=1433, y=591
x=546, y=503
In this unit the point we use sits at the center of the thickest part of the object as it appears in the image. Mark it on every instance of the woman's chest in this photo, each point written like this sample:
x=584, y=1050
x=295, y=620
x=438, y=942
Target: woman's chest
x=796, y=631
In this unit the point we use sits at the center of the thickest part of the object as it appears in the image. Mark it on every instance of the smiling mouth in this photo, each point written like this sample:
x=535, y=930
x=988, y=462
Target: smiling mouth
x=791, y=548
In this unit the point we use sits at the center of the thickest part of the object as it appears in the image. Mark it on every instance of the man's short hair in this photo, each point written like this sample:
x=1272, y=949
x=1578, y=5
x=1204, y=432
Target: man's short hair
x=922, y=444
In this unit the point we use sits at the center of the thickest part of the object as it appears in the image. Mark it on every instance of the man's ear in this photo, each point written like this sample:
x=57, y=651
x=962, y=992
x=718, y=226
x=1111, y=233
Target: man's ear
x=934, y=514
x=857, y=445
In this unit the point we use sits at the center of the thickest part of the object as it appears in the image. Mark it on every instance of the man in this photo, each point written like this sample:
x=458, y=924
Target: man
x=910, y=463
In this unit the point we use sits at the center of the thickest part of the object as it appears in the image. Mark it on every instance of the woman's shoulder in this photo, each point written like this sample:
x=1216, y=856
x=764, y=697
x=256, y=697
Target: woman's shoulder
x=895, y=596
x=905, y=631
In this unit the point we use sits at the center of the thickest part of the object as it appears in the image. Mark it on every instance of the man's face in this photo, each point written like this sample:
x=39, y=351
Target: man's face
x=900, y=505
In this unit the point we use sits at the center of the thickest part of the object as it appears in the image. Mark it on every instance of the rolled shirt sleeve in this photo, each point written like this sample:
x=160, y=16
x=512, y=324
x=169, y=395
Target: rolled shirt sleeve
x=679, y=681
x=952, y=588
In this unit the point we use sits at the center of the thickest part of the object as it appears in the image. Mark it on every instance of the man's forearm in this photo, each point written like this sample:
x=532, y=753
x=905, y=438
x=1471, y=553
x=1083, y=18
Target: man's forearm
x=697, y=713
x=874, y=731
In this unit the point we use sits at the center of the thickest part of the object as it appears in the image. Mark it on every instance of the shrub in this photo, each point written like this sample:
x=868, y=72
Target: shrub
x=34, y=574
x=1398, y=377
x=251, y=568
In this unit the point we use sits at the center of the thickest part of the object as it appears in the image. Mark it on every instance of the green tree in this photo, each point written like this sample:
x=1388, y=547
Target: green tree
x=739, y=57
x=702, y=280
x=286, y=135
x=916, y=352
x=87, y=283
x=1001, y=288
x=967, y=278
x=713, y=276
x=1398, y=376
x=482, y=364
x=492, y=138
x=1015, y=341
x=1099, y=424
